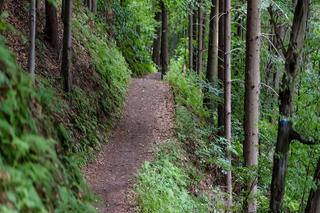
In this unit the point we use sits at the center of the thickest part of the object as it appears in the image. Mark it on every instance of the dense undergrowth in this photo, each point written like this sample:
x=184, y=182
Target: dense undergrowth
x=46, y=135
x=134, y=31
x=33, y=177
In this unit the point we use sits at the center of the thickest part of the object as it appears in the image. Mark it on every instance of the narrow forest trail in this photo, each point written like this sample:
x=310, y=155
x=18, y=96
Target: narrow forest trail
x=148, y=118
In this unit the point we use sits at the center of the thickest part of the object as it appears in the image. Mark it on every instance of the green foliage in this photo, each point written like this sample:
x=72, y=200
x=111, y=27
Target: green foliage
x=33, y=177
x=134, y=30
x=162, y=185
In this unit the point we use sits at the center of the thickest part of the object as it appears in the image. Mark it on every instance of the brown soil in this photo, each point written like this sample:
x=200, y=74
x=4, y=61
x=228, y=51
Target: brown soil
x=148, y=118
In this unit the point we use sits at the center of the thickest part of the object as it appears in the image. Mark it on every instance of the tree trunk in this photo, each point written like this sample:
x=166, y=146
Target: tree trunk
x=164, y=40
x=221, y=66
x=204, y=32
x=94, y=6
x=195, y=38
x=313, y=205
x=190, y=33
x=200, y=37
x=67, y=47
x=88, y=3
x=51, y=28
x=285, y=131
x=252, y=92
x=1, y=5
x=227, y=98
x=212, y=67
x=32, y=51
x=62, y=9
x=157, y=41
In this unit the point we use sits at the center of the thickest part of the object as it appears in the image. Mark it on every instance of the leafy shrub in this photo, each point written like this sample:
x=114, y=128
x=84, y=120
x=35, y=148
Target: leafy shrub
x=162, y=185
x=134, y=30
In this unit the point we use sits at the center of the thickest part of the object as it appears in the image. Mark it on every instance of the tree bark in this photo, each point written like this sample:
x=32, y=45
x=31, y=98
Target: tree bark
x=313, y=205
x=227, y=98
x=212, y=67
x=157, y=41
x=285, y=131
x=252, y=92
x=200, y=37
x=67, y=47
x=32, y=51
x=1, y=5
x=51, y=27
x=221, y=67
x=94, y=6
x=195, y=38
x=190, y=40
x=164, y=40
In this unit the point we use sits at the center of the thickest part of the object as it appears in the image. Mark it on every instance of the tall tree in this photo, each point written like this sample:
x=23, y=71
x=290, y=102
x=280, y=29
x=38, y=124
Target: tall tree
x=1, y=5
x=32, y=51
x=200, y=37
x=51, y=27
x=212, y=67
x=221, y=67
x=313, y=205
x=227, y=96
x=195, y=37
x=286, y=133
x=252, y=92
x=157, y=40
x=164, y=40
x=190, y=40
x=67, y=45
x=94, y=6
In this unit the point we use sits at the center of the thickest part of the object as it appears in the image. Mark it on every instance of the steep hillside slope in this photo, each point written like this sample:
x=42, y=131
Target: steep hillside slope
x=46, y=134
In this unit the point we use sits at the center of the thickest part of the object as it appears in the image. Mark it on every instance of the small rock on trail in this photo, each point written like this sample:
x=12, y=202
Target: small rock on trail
x=148, y=118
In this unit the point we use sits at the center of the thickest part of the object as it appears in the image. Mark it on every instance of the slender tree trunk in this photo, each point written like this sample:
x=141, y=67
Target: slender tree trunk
x=1, y=5
x=51, y=28
x=252, y=92
x=94, y=6
x=227, y=97
x=67, y=47
x=212, y=67
x=195, y=38
x=157, y=41
x=285, y=131
x=221, y=67
x=200, y=37
x=32, y=48
x=204, y=32
x=313, y=205
x=164, y=40
x=62, y=9
x=88, y=3
x=190, y=33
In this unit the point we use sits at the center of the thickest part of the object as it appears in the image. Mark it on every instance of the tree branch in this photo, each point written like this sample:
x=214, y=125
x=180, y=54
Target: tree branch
x=298, y=137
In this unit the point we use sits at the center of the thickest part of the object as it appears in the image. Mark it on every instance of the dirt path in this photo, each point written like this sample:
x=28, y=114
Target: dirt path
x=148, y=118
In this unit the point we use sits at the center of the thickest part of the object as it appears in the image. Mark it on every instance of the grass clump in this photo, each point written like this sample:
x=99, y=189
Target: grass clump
x=162, y=186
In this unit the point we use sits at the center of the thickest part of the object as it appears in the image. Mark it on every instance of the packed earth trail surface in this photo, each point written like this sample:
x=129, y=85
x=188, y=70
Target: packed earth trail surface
x=148, y=118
